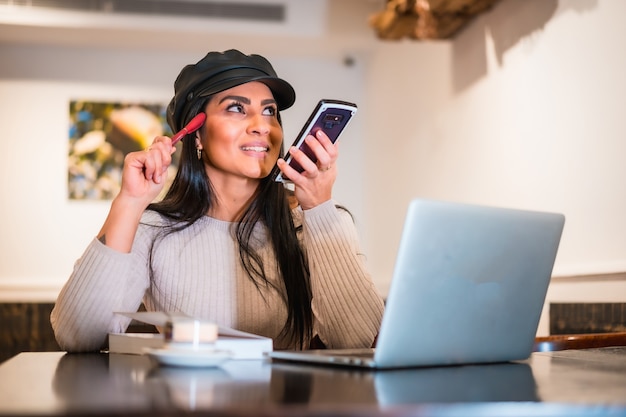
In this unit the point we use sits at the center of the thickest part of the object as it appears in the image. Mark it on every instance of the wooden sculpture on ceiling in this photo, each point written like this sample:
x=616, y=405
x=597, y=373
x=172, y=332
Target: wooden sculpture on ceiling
x=426, y=19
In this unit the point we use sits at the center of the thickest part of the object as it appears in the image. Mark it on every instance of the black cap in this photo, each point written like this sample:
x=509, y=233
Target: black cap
x=217, y=72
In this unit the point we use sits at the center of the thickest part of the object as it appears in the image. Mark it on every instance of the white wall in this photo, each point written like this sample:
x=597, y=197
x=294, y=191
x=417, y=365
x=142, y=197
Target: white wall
x=523, y=108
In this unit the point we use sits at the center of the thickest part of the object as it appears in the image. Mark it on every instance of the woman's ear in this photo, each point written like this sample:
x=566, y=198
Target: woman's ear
x=198, y=141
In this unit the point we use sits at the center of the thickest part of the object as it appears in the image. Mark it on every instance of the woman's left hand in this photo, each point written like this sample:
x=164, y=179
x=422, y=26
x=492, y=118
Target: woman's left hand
x=314, y=185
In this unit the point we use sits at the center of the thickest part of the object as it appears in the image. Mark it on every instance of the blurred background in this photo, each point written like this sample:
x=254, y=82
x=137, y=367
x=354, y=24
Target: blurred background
x=518, y=104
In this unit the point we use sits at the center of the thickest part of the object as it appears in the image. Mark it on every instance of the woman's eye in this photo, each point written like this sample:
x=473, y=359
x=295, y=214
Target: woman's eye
x=235, y=107
x=270, y=111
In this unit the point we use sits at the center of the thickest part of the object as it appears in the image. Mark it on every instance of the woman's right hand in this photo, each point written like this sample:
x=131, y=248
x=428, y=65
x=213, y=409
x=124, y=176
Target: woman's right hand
x=145, y=172
x=143, y=177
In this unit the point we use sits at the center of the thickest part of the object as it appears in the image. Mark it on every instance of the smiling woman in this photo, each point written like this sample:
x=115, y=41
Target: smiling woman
x=227, y=243
x=243, y=136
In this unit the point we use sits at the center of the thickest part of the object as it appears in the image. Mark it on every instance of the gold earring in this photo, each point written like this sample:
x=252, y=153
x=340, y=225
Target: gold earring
x=199, y=152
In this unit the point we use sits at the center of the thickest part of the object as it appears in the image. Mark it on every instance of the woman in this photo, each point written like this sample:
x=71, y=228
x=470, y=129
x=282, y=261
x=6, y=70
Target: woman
x=224, y=244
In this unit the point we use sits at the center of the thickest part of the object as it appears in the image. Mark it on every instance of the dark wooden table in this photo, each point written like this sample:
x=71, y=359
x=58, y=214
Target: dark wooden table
x=566, y=383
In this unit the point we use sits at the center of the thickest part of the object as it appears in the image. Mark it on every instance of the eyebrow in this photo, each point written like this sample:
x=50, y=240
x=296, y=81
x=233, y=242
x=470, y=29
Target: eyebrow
x=246, y=100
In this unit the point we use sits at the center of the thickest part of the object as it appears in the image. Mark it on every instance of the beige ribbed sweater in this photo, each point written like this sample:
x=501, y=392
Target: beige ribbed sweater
x=197, y=271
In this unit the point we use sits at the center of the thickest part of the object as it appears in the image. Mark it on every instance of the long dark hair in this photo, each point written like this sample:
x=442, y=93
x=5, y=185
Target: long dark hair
x=191, y=196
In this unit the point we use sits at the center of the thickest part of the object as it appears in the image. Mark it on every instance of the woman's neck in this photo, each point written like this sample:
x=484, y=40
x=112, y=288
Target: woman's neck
x=233, y=196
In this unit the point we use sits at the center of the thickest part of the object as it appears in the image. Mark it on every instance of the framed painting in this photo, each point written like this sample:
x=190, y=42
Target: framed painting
x=100, y=136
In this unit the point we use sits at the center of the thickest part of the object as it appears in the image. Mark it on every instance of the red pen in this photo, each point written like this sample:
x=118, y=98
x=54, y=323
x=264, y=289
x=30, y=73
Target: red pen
x=195, y=124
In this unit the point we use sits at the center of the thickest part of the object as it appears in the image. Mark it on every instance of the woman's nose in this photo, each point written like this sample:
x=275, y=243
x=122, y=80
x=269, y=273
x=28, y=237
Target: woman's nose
x=259, y=125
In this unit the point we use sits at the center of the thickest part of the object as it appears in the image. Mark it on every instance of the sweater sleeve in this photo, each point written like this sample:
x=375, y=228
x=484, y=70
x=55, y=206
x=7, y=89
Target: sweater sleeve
x=103, y=282
x=346, y=305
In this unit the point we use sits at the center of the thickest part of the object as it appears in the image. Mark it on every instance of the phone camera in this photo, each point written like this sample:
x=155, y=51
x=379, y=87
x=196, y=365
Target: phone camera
x=331, y=120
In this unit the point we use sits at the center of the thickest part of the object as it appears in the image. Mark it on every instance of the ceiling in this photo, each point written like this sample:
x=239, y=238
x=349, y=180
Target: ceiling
x=352, y=24
x=426, y=19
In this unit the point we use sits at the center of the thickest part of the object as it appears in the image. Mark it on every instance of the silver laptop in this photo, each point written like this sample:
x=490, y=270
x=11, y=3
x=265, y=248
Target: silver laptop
x=468, y=286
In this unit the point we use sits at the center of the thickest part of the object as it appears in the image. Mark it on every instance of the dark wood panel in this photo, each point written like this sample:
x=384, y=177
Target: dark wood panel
x=25, y=327
x=576, y=318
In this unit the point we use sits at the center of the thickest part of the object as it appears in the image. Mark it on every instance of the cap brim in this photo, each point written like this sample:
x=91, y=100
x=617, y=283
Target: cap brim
x=282, y=91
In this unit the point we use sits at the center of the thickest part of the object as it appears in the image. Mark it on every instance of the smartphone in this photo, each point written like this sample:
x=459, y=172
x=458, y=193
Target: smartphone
x=331, y=116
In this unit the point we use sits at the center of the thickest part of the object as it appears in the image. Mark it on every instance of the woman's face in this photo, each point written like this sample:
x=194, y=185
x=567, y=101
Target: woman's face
x=241, y=136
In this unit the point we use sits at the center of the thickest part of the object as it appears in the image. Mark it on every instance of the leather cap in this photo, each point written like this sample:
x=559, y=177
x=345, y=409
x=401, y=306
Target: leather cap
x=219, y=71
